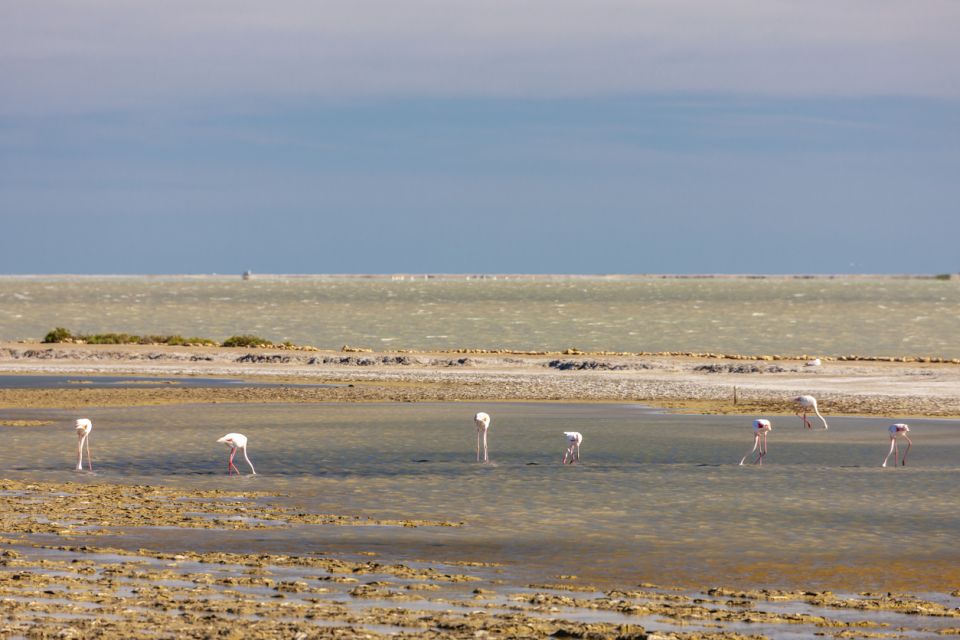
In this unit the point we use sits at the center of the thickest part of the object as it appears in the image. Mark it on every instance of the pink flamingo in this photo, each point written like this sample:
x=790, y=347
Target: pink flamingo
x=760, y=429
x=897, y=430
x=805, y=404
x=84, y=427
x=574, y=438
x=236, y=441
x=482, y=422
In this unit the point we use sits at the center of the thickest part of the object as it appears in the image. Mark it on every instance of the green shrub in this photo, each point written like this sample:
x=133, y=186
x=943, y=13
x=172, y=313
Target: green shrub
x=111, y=338
x=63, y=335
x=58, y=335
x=246, y=341
x=181, y=341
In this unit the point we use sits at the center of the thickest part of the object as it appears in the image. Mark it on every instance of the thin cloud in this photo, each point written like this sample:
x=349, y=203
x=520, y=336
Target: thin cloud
x=63, y=56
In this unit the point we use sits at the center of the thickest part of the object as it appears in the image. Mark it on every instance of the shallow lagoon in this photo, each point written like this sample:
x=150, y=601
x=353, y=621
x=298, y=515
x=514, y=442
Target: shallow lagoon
x=658, y=498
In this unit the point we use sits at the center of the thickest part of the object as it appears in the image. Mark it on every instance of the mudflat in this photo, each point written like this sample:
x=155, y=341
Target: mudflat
x=701, y=383
x=55, y=581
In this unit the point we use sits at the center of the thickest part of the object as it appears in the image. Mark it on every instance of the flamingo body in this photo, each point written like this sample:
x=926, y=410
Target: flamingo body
x=760, y=429
x=574, y=438
x=897, y=430
x=806, y=404
x=482, y=423
x=236, y=441
x=83, y=427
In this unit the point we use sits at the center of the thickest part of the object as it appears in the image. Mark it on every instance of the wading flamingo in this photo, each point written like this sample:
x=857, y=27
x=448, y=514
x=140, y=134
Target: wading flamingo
x=482, y=422
x=806, y=404
x=84, y=427
x=897, y=430
x=236, y=441
x=760, y=429
x=574, y=438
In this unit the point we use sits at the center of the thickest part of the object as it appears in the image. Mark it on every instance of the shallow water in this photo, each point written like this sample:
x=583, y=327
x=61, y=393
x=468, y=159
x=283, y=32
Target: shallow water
x=822, y=316
x=658, y=498
x=128, y=382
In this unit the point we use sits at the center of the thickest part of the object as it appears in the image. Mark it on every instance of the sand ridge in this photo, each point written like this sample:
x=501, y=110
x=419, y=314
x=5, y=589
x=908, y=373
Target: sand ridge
x=704, y=384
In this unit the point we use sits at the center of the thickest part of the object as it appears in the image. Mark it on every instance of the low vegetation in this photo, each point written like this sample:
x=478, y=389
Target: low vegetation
x=65, y=335
x=62, y=335
x=246, y=341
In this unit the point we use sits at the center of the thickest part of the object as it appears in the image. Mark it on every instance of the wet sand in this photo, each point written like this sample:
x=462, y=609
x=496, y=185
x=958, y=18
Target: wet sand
x=57, y=581
x=64, y=572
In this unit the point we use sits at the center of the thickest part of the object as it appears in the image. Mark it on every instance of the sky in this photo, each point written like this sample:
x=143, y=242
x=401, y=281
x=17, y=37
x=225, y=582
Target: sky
x=450, y=136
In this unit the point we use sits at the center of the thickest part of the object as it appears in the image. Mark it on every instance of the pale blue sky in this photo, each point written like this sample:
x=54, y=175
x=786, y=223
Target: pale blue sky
x=446, y=137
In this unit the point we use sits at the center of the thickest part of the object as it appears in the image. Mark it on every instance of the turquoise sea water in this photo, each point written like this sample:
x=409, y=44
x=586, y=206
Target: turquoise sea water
x=815, y=316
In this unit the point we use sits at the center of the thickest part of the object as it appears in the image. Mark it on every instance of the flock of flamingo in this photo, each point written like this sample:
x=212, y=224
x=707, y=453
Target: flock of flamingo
x=806, y=404
x=761, y=427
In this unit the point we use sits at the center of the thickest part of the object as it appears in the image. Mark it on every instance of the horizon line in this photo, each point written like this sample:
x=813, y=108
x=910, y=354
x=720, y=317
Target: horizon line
x=481, y=275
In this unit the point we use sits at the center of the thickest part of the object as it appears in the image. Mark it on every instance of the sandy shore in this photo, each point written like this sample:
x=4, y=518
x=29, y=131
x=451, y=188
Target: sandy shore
x=762, y=385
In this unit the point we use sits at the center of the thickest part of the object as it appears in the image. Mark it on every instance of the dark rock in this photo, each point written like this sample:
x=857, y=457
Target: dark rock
x=260, y=358
x=597, y=365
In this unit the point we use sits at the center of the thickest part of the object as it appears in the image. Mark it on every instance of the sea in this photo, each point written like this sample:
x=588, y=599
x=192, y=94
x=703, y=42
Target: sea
x=789, y=315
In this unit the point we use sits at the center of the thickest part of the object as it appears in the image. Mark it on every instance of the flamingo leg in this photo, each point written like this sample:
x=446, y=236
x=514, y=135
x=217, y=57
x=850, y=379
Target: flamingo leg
x=89, y=457
x=80, y=453
x=478, y=445
x=903, y=460
x=486, y=458
x=763, y=449
x=893, y=448
x=230, y=466
x=578, y=453
x=756, y=443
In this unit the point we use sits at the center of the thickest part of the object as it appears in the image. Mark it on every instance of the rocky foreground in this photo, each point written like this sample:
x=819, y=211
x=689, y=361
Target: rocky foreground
x=56, y=582
x=705, y=383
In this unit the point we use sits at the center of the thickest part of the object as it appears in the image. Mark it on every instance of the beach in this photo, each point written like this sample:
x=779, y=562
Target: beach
x=113, y=553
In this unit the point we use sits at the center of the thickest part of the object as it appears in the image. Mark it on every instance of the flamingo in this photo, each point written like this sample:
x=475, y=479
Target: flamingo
x=805, y=404
x=482, y=422
x=84, y=427
x=760, y=429
x=236, y=441
x=897, y=430
x=574, y=438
